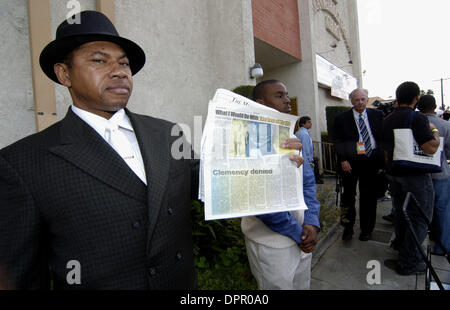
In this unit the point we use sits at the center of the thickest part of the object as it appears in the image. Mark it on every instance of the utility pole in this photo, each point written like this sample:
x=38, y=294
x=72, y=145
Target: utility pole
x=442, y=92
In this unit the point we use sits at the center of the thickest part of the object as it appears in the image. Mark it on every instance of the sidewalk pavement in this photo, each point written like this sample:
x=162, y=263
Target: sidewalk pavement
x=346, y=265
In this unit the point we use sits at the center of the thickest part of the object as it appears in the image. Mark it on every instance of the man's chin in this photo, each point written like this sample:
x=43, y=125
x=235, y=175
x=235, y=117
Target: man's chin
x=116, y=105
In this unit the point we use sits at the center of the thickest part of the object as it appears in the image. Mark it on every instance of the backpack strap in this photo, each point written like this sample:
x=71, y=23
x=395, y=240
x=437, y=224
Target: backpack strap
x=410, y=119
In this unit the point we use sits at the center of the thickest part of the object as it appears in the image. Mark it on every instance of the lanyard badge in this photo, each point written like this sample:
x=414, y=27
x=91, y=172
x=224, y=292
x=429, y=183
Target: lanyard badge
x=360, y=148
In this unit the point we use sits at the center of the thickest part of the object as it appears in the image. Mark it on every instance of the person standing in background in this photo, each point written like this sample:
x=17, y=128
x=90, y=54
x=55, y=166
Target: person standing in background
x=303, y=135
x=441, y=180
x=356, y=137
x=403, y=180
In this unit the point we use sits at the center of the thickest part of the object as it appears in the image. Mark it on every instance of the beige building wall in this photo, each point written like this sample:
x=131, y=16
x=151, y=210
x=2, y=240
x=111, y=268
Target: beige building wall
x=58, y=12
x=192, y=47
x=301, y=77
x=338, y=51
x=16, y=93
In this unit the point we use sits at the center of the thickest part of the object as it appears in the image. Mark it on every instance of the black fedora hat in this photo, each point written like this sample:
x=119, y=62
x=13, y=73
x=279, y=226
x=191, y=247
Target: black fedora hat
x=93, y=26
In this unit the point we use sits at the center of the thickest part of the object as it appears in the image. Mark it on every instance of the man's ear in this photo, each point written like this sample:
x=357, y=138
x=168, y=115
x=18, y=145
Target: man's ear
x=62, y=73
x=416, y=101
x=260, y=101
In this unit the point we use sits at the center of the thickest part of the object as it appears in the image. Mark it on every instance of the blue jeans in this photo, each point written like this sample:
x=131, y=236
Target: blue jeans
x=421, y=186
x=442, y=213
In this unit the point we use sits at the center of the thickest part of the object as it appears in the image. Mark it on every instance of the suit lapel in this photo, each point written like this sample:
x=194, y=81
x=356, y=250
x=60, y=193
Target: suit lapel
x=371, y=121
x=83, y=147
x=155, y=148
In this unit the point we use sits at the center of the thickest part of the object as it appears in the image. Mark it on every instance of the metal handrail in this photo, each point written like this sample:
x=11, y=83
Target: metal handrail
x=327, y=156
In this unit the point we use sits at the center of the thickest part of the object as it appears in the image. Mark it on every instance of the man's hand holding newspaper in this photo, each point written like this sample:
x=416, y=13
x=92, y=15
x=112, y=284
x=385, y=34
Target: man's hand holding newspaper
x=294, y=144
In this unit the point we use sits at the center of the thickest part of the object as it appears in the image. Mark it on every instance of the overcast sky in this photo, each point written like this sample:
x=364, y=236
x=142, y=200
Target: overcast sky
x=405, y=40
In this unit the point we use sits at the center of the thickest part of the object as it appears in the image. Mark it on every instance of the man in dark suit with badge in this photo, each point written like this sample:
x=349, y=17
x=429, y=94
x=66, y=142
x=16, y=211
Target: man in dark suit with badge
x=356, y=136
x=96, y=201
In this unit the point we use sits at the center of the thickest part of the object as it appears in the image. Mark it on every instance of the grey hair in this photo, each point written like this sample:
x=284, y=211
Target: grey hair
x=358, y=89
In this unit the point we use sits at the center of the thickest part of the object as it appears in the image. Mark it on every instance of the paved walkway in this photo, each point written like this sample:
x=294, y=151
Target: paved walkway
x=343, y=265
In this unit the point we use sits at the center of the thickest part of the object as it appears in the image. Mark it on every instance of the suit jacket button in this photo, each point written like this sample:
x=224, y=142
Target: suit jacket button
x=153, y=271
x=179, y=256
x=170, y=211
x=136, y=225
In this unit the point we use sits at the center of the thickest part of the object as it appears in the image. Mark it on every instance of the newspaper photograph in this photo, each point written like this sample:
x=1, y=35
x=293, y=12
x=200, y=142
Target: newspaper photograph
x=244, y=170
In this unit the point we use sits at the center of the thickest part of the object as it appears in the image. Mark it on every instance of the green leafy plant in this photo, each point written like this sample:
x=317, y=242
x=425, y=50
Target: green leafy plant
x=244, y=90
x=220, y=255
x=331, y=112
x=329, y=213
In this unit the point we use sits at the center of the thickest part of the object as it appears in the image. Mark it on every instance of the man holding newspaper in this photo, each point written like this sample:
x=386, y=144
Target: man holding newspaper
x=279, y=245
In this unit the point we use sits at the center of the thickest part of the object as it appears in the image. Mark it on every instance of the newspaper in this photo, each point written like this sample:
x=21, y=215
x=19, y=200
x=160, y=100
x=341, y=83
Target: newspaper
x=243, y=169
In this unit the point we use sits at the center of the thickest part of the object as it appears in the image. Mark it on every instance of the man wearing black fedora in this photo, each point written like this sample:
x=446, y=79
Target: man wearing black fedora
x=96, y=201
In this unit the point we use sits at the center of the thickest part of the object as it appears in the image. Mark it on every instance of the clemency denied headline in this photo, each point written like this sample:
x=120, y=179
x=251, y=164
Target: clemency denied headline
x=243, y=168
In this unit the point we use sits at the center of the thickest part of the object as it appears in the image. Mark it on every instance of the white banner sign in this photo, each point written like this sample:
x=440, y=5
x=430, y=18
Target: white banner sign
x=341, y=82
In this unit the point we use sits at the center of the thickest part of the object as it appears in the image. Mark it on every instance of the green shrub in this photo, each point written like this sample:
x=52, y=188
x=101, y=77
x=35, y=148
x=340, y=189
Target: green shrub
x=331, y=113
x=325, y=137
x=244, y=90
x=220, y=255
x=329, y=213
x=329, y=155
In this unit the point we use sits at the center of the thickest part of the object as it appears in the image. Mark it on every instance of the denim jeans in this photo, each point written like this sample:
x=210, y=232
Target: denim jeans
x=421, y=186
x=441, y=221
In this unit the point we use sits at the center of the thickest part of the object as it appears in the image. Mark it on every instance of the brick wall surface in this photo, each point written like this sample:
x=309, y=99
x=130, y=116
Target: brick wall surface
x=276, y=22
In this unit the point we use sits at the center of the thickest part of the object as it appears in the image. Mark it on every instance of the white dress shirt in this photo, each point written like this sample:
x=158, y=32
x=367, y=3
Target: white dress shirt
x=124, y=143
x=366, y=121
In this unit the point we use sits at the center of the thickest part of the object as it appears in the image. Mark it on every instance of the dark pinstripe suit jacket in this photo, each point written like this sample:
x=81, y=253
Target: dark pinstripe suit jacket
x=66, y=195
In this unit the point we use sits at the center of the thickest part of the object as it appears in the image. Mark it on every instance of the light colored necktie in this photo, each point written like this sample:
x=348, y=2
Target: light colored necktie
x=119, y=142
x=365, y=136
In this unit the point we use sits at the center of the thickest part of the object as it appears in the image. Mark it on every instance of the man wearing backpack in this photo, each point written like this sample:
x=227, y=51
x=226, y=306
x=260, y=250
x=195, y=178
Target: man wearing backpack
x=403, y=180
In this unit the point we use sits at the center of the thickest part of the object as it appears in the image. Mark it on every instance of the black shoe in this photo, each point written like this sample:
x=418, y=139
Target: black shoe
x=395, y=245
x=437, y=253
x=391, y=264
x=432, y=236
x=384, y=198
x=365, y=237
x=348, y=233
x=394, y=265
x=389, y=218
x=419, y=269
